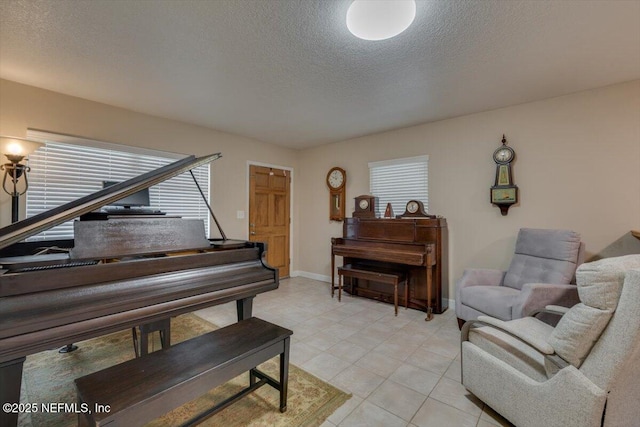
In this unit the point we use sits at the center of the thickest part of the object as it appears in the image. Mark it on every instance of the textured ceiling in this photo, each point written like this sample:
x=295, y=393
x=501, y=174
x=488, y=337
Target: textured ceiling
x=289, y=72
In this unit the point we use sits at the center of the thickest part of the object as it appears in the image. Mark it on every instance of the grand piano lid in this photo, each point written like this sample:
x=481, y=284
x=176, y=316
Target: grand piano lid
x=33, y=225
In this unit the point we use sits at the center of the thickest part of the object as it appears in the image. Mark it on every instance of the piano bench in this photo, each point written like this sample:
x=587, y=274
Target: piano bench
x=142, y=389
x=389, y=277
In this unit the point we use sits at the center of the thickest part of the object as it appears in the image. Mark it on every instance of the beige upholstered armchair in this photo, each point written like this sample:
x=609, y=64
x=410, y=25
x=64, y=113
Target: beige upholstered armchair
x=540, y=274
x=582, y=373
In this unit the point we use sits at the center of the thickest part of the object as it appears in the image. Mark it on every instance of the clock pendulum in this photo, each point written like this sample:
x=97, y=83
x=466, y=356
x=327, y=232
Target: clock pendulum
x=504, y=192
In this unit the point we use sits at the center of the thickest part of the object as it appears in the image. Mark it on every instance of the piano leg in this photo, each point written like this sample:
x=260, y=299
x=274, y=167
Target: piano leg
x=429, y=314
x=10, y=379
x=244, y=307
x=429, y=273
x=333, y=268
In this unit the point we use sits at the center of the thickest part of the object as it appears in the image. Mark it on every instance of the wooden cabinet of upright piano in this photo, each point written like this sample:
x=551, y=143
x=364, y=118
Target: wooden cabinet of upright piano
x=417, y=246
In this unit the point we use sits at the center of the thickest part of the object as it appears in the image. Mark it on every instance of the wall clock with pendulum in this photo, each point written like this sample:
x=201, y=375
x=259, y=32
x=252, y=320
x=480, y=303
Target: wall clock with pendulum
x=337, y=182
x=504, y=192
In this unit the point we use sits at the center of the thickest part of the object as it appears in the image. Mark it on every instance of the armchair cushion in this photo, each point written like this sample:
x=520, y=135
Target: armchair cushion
x=600, y=282
x=496, y=301
x=561, y=245
x=480, y=277
x=577, y=331
x=547, y=256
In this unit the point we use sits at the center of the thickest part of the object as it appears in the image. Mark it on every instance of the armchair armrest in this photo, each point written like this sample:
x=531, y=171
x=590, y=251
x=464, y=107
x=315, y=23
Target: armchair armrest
x=479, y=277
x=556, y=309
x=539, y=345
x=536, y=296
x=476, y=277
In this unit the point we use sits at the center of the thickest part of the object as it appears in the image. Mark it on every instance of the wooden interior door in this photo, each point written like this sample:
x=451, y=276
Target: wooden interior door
x=269, y=213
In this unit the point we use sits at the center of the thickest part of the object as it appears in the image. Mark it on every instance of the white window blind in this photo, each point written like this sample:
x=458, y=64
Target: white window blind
x=62, y=172
x=398, y=181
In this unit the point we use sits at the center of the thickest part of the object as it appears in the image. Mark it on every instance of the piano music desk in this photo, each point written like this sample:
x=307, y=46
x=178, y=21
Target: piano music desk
x=385, y=276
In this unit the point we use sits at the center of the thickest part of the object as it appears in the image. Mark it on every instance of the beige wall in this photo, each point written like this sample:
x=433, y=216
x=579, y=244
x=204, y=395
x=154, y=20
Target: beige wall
x=23, y=107
x=577, y=167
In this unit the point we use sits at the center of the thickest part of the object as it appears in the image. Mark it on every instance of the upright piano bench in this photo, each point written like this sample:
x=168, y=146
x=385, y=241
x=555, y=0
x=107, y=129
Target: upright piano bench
x=142, y=389
x=390, y=277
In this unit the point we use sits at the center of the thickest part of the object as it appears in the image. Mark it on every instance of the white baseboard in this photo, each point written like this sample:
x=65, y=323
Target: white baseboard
x=313, y=276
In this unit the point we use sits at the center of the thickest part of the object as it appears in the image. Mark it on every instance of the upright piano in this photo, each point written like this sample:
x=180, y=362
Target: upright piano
x=115, y=274
x=416, y=246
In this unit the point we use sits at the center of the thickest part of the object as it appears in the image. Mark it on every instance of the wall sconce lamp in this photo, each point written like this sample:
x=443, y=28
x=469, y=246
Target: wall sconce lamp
x=15, y=150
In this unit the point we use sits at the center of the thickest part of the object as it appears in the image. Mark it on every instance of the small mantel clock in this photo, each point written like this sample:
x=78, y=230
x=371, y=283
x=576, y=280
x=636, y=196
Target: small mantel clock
x=504, y=192
x=337, y=182
x=366, y=206
x=415, y=209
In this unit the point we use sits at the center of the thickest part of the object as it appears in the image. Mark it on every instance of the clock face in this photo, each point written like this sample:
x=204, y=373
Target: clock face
x=364, y=204
x=336, y=178
x=503, y=155
x=412, y=207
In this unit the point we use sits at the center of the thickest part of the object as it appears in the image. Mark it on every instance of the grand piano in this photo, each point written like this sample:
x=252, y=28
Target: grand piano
x=116, y=273
x=417, y=246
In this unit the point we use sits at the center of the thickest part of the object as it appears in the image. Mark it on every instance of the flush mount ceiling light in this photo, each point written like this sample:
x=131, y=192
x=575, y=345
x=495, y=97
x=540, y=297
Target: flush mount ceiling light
x=380, y=19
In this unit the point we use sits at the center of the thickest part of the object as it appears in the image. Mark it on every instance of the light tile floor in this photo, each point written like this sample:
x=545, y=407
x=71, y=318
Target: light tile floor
x=401, y=371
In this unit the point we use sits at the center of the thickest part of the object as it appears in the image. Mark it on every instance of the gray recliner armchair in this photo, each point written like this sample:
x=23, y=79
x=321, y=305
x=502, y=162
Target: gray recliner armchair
x=540, y=274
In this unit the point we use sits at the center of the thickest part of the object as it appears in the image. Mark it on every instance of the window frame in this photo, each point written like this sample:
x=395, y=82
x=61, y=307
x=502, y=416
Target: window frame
x=386, y=178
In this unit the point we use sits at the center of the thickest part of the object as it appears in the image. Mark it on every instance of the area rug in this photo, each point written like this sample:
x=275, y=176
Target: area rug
x=48, y=378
